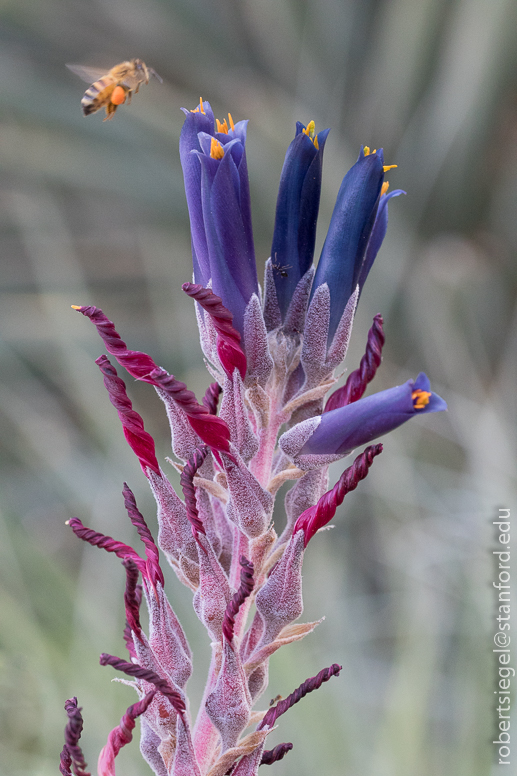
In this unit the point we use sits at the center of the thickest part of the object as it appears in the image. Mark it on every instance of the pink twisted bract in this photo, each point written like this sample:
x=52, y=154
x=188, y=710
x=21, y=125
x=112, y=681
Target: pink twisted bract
x=229, y=347
x=132, y=601
x=308, y=686
x=122, y=735
x=73, y=732
x=270, y=756
x=319, y=515
x=107, y=543
x=138, y=439
x=358, y=380
x=211, y=397
x=212, y=430
x=154, y=572
x=244, y=591
x=189, y=491
x=133, y=669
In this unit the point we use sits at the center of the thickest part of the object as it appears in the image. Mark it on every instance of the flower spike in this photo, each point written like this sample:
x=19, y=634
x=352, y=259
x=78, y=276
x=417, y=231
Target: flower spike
x=189, y=491
x=73, y=732
x=322, y=513
x=122, y=735
x=138, y=439
x=244, y=591
x=274, y=357
x=306, y=687
x=358, y=380
x=229, y=346
x=133, y=669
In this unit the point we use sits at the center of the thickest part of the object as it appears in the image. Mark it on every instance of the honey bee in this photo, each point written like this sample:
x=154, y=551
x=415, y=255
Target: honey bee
x=111, y=89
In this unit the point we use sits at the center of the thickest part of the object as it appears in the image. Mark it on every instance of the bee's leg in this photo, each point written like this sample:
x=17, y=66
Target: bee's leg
x=110, y=111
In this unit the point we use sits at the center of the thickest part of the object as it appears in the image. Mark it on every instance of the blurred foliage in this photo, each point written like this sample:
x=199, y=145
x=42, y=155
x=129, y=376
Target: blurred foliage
x=94, y=213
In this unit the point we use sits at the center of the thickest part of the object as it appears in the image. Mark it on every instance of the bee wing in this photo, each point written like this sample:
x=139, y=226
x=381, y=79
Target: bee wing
x=88, y=74
x=153, y=72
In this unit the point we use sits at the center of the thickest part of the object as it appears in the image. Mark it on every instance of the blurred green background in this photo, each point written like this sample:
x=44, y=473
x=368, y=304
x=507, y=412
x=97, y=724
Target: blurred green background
x=94, y=213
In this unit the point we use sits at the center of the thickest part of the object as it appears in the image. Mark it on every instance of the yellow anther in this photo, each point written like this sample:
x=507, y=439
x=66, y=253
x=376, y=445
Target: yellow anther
x=232, y=125
x=222, y=127
x=384, y=188
x=216, y=149
x=367, y=152
x=75, y=306
x=200, y=108
x=310, y=131
x=389, y=167
x=420, y=398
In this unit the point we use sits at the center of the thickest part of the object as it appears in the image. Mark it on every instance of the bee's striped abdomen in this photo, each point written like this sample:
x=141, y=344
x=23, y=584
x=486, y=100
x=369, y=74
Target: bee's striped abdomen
x=96, y=96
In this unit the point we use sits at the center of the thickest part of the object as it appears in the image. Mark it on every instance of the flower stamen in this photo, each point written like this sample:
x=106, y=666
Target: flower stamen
x=200, y=108
x=384, y=188
x=420, y=399
x=216, y=149
x=310, y=131
x=222, y=126
x=387, y=167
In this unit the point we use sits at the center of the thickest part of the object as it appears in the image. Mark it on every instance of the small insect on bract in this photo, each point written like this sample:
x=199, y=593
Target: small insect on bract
x=111, y=89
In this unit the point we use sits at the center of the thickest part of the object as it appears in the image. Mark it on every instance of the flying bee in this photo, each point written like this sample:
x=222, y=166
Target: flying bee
x=111, y=89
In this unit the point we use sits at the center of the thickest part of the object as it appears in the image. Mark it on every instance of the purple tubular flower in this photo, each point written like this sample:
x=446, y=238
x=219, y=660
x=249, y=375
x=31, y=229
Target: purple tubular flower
x=196, y=121
x=377, y=235
x=297, y=208
x=341, y=263
x=220, y=211
x=338, y=432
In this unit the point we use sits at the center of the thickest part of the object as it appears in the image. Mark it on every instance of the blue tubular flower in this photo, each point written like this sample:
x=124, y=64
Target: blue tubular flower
x=378, y=233
x=342, y=260
x=336, y=433
x=199, y=120
x=297, y=208
x=219, y=207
